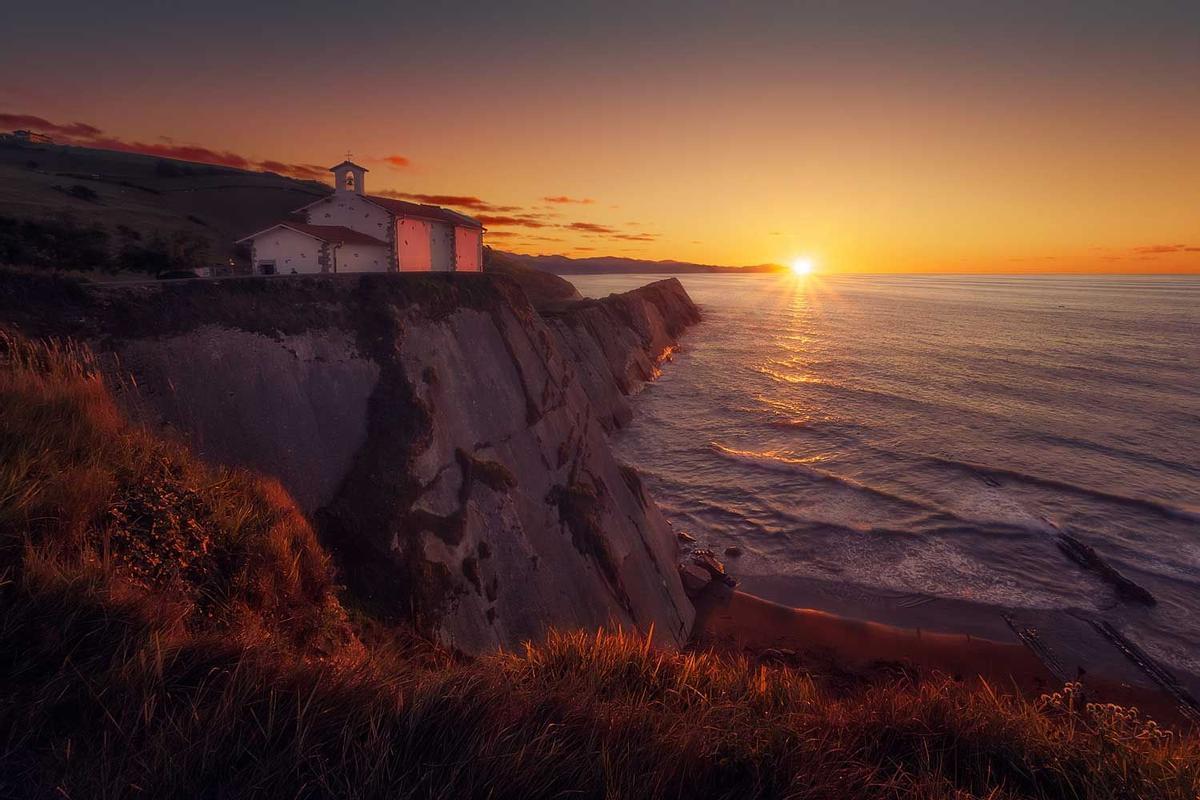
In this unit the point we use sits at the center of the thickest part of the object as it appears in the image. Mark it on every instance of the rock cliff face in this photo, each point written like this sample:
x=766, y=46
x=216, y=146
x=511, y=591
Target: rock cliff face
x=447, y=438
x=618, y=343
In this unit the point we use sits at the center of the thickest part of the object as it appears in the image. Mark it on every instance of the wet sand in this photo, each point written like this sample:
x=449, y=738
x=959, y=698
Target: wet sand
x=738, y=622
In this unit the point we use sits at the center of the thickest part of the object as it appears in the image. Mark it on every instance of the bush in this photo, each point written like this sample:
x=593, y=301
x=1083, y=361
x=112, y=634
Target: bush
x=57, y=243
x=81, y=192
x=170, y=169
x=178, y=251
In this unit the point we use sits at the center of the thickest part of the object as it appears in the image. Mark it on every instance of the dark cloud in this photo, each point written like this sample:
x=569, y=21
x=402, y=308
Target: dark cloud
x=469, y=202
x=521, y=221
x=590, y=227
x=635, y=237
x=562, y=199
x=183, y=152
x=310, y=172
x=30, y=122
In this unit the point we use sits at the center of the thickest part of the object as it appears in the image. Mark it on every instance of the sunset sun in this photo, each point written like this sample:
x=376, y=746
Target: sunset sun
x=802, y=266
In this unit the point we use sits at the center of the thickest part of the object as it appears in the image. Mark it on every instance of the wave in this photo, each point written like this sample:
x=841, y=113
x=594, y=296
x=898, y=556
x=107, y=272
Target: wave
x=1117, y=452
x=1144, y=503
x=779, y=461
x=944, y=520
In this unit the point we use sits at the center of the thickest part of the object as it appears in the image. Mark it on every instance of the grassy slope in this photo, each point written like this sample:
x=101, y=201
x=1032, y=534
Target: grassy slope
x=167, y=630
x=218, y=203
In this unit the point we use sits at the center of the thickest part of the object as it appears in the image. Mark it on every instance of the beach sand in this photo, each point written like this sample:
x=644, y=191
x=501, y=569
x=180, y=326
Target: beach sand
x=737, y=622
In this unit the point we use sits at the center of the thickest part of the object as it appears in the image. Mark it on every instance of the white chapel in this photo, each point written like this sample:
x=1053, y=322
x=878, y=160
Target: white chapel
x=352, y=231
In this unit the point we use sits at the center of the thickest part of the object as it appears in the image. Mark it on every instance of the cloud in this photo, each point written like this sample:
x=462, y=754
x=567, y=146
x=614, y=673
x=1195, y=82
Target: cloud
x=82, y=134
x=306, y=171
x=590, y=227
x=469, y=202
x=30, y=122
x=522, y=220
x=635, y=237
x=1161, y=249
x=562, y=199
x=400, y=162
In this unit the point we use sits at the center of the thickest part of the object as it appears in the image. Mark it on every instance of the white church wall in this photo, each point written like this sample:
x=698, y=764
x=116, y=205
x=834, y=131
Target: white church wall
x=288, y=251
x=442, y=247
x=414, y=243
x=468, y=248
x=351, y=211
x=361, y=258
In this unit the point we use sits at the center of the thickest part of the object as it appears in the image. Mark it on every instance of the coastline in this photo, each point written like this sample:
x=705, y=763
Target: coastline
x=1076, y=624
x=851, y=647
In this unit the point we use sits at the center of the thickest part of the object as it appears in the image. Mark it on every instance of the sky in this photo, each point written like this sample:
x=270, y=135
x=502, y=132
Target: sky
x=870, y=137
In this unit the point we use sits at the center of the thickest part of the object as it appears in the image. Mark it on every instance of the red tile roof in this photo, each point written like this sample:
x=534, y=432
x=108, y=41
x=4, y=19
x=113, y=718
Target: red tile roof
x=407, y=209
x=334, y=234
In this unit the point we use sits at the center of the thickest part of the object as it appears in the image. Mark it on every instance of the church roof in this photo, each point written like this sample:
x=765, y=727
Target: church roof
x=348, y=163
x=403, y=208
x=333, y=234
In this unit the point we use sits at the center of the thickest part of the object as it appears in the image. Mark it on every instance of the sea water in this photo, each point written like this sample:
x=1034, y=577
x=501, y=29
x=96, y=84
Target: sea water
x=901, y=438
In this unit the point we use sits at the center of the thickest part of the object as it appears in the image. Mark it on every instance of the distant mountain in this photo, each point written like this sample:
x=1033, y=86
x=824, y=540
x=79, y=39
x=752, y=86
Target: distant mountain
x=563, y=265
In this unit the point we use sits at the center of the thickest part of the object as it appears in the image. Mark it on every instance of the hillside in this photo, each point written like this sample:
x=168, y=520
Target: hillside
x=168, y=629
x=145, y=195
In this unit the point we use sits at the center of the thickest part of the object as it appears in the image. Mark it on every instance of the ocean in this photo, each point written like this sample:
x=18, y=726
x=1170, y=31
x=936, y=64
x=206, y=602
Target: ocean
x=907, y=448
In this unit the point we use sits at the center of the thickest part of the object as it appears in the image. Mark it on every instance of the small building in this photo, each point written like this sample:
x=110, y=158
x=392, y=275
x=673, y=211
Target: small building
x=352, y=231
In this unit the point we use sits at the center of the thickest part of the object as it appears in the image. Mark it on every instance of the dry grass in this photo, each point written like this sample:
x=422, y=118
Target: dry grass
x=81, y=490
x=233, y=675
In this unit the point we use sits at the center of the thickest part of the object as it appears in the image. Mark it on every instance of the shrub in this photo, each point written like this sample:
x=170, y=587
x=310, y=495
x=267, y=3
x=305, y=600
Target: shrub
x=57, y=243
x=81, y=192
x=160, y=253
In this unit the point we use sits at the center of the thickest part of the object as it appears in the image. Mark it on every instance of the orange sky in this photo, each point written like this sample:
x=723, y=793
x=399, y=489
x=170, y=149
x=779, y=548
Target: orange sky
x=967, y=140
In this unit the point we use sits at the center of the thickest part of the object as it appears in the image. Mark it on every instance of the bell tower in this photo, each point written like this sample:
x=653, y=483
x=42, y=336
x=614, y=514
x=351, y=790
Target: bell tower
x=349, y=177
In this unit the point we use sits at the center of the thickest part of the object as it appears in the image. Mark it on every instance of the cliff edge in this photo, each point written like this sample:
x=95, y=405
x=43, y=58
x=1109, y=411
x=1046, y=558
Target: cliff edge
x=447, y=438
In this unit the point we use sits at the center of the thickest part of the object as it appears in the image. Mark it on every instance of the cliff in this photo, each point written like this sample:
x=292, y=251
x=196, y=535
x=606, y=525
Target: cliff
x=447, y=439
x=618, y=343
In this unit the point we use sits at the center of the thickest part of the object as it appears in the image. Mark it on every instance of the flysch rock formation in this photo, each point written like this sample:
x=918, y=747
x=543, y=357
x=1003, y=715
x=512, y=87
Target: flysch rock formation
x=619, y=342
x=447, y=439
